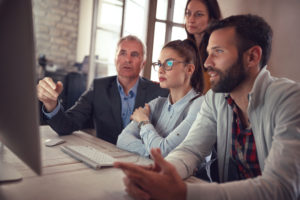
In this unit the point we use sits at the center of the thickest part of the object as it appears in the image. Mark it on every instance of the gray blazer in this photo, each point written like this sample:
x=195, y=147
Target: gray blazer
x=100, y=108
x=274, y=113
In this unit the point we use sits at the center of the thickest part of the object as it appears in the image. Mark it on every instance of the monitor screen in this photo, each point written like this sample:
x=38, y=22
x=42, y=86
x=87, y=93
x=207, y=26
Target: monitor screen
x=19, y=125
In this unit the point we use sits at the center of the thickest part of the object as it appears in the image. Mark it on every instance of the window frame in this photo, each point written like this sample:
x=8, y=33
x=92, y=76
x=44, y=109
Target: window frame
x=152, y=8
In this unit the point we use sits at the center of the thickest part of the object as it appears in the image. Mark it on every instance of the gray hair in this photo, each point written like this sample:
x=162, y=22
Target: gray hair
x=133, y=38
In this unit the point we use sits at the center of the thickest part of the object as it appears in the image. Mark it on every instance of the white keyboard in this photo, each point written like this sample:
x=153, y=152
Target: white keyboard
x=88, y=155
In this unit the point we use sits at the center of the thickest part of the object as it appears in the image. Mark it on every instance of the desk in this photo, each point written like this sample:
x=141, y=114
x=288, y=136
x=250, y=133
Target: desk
x=66, y=178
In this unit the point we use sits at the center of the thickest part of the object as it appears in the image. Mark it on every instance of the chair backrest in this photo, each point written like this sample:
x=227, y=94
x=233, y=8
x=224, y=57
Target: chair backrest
x=75, y=85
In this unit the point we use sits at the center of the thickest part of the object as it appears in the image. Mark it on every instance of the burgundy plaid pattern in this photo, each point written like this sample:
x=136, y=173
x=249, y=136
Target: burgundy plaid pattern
x=243, y=148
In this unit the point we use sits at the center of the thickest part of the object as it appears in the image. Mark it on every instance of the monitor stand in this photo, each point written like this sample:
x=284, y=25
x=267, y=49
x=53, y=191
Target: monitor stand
x=7, y=172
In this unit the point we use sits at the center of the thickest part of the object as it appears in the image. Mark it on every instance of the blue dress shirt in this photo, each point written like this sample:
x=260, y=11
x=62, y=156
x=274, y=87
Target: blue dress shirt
x=127, y=102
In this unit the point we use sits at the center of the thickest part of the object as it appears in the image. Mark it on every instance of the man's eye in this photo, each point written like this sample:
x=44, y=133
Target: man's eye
x=122, y=53
x=135, y=54
x=218, y=51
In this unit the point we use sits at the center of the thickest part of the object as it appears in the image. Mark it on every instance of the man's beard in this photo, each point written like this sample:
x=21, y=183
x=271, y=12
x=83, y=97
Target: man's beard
x=229, y=79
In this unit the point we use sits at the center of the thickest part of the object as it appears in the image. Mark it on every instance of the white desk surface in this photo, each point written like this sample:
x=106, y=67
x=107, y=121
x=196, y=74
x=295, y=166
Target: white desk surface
x=66, y=178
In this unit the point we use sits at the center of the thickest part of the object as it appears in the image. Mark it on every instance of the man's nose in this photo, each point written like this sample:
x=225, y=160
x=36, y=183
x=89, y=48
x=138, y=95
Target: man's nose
x=208, y=62
x=128, y=58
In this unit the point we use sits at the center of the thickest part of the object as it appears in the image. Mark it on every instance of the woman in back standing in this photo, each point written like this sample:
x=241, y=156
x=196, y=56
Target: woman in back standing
x=198, y=14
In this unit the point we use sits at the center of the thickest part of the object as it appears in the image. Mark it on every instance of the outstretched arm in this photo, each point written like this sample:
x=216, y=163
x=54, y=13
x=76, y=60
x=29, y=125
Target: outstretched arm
x=143, y=183
x=48, y=92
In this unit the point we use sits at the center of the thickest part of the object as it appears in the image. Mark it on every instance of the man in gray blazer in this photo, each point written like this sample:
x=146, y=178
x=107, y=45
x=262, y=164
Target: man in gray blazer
x=110, y=101
x=253, y=116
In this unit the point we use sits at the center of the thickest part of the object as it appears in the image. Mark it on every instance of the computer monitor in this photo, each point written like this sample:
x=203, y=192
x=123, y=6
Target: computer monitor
x=19, y=122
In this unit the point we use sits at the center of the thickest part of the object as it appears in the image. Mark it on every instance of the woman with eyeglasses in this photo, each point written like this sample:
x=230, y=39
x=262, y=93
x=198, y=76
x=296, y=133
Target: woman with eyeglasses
x=198, y=14
x=165, y=121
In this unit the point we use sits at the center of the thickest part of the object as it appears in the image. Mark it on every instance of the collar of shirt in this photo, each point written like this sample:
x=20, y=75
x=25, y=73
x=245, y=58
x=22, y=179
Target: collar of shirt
x=179, y=105
x=132, y=92
x=234, y=107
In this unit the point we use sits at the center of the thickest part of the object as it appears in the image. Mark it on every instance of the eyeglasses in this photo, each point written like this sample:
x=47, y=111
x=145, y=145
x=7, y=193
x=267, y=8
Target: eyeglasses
x=167, y=65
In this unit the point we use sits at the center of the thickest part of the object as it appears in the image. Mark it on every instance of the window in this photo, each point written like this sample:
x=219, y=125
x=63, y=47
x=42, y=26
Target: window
x=136, y=16
x=113, y=19
x=108, y=30
x=111, y=25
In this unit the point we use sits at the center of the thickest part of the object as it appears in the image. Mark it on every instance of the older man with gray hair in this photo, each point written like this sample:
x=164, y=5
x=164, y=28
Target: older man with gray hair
x=108, y=104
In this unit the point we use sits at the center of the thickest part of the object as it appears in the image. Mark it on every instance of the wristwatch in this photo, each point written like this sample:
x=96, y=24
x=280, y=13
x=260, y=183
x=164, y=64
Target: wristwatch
x=142, y=123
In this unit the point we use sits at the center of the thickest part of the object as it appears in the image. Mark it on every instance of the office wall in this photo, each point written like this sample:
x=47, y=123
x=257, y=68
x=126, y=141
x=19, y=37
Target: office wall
x=284, y=17
x=56, y=30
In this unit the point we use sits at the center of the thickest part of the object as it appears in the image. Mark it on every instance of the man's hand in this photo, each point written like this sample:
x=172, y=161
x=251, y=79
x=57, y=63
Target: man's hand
x=160, y=181
x=48, y=92
x=141, y=114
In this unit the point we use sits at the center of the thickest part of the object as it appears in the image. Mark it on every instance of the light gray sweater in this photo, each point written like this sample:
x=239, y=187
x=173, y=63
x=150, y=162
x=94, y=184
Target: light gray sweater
x=274, y=113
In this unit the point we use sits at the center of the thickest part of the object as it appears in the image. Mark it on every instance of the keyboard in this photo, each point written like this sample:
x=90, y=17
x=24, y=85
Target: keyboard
x=89, y=155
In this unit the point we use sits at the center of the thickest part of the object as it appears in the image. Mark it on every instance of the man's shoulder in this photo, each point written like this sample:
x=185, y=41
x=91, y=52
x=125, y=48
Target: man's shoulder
x=153, y=87
x=214, y=97
x=110, y=79
x=283, y=84
x=269, y=88
x=104, y=81
x=147, y=82
x=281, y=89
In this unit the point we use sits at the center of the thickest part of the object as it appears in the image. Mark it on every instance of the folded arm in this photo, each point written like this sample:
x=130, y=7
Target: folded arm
x=152, y=139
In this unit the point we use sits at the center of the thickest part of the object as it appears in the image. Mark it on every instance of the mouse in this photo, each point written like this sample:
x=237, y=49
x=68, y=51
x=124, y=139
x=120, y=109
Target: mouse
x=53, y=142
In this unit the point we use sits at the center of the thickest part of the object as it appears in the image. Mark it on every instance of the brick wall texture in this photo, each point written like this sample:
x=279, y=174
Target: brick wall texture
x=56, y=30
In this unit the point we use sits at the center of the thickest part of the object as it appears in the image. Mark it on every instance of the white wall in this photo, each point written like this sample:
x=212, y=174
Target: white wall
x=283, y=16
x=84, y=29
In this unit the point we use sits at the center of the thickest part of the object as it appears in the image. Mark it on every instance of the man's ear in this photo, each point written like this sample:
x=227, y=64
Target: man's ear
x=253, y=56
x=143, y=64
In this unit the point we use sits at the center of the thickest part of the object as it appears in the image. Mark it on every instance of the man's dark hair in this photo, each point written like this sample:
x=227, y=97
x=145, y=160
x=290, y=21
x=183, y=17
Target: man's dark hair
x=251, y=30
